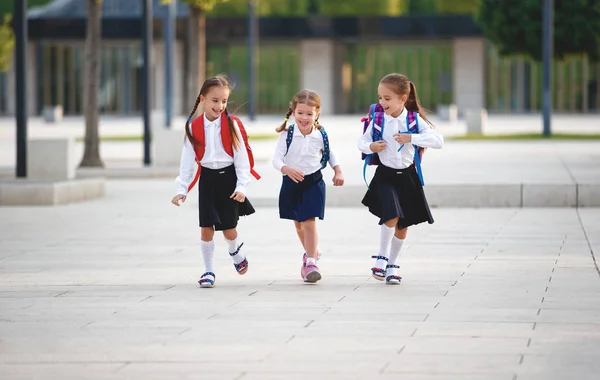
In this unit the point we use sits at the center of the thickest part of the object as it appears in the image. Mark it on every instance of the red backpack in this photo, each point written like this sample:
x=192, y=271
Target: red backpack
x=198, y=133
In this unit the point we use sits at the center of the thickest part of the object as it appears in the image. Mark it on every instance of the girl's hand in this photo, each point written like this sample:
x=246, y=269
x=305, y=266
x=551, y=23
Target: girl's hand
x=338, y=178
x=178, y=198
x=295, y=174
x=377, y=146
x=403, y=138
x=237, y=196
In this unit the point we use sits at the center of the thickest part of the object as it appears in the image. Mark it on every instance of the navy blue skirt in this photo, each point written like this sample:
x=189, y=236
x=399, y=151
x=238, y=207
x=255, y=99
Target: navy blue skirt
x=397, y=193
x=304, y=200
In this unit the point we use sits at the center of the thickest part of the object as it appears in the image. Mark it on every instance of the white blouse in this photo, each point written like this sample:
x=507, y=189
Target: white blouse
x=215, y=157
x=390, y=157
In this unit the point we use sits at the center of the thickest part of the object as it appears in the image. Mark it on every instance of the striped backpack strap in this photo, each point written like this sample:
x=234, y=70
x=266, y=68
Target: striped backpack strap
x=377, y=117
x=412, y=123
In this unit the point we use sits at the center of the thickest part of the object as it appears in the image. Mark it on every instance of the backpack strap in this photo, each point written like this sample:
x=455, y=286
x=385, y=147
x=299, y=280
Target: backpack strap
x=326, y=151
x=197, y=126
x=289, y=138
x=412, y=123
x=378, y=120
x=247, y=146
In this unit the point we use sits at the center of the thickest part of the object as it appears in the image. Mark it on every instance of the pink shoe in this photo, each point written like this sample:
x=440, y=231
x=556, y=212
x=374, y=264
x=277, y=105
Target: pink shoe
x=310, y=273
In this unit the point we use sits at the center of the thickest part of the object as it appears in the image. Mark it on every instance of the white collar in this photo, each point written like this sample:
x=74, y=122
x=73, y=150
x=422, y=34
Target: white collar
x=400, y=117
x=298, y=133
x=207, y=123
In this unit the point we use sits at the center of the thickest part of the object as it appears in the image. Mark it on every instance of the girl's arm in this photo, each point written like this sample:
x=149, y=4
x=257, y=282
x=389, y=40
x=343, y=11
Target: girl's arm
x=427, y=137
x=364, y=142
x=186, y=167
x=333, y=162
x=278, y=157
x=241, y=162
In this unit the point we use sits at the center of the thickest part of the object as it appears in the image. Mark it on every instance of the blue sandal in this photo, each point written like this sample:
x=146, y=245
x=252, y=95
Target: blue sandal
x=241, y=267
x=207, y=282
x=379, y=273
x=393, y=279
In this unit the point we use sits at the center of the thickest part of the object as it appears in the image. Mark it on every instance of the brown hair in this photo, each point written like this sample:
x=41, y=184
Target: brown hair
x=307, y=97
x=402, y=86
x=217, y=81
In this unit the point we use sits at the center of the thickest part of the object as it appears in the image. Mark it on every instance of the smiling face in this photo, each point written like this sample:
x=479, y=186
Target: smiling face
x=392, y=102
x=305, y=115
x=215, y=101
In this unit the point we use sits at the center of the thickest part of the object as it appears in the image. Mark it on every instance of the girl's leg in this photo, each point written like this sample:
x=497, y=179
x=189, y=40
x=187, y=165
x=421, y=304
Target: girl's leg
x=207, y=246
x=396, y=247
x=300, y=232
x=385, y=239
x=239, y=260
x=311, y=238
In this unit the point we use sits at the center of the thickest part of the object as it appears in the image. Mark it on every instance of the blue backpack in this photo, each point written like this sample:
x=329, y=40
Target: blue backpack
x=325, y=158
x=376, y=116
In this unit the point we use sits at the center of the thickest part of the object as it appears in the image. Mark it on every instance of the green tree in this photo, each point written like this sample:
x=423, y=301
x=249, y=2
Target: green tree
x=7, y=38
x=515, y=27
x=197, y=43
x=6, y=6
x=265, y=8
x=465, y=7
x=423, y=6
x=91, y=152
x=7, y=43
x=364, y=7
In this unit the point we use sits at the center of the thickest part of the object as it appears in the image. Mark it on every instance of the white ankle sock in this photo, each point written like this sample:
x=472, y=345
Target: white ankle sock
x=395, y=249
x=384, y=245
x=233, y=246
x=208, y=250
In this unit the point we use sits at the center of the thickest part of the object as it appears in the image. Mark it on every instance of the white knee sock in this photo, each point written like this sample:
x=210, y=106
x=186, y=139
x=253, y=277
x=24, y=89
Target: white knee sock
x=384, y=245
x=233, y=246
x=208, y=250
x=395, y=249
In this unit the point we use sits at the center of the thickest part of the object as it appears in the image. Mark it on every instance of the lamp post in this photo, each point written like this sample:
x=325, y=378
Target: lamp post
x=547, y=65
x=20, y=28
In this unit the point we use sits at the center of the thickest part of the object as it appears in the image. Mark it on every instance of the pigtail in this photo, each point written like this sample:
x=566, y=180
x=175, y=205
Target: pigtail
x=235, y=138
x=188, y=132
x=317, y=125
x=283, y=126
x=413, y=104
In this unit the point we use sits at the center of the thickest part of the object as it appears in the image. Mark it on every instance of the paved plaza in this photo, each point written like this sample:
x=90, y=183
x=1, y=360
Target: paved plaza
x=107, y=289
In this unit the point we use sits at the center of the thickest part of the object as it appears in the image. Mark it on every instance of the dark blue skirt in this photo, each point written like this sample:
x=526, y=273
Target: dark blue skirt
x=304, y=200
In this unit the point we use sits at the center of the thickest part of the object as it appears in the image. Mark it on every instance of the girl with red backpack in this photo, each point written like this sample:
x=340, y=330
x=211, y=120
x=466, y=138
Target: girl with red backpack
x=301, y=153
x=218, y=143
x=393, y=141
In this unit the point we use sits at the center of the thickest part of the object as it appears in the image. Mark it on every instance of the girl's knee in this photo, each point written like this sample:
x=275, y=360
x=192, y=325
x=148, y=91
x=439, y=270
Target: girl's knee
x=230, y=234
x=392, y=223
x=309, y=223
x=207, y=233
x=298, y=225
x=401, y=232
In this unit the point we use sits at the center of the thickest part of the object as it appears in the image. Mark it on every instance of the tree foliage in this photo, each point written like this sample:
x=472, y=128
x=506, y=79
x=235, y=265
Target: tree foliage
x=516, y=26
x=7, y=43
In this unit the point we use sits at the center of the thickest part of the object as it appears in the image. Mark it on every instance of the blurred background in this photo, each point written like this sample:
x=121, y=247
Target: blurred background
x=472, y=53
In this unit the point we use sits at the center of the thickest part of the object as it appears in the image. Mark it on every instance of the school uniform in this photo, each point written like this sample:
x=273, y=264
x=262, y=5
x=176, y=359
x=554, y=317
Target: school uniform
x=396, y=190
x=306, y=199
x=221, y=176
